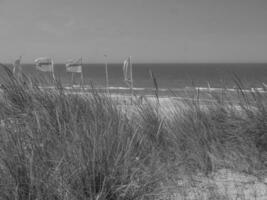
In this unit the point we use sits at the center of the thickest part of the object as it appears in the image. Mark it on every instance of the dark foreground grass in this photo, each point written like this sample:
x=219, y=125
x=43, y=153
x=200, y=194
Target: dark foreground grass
x=58, y=146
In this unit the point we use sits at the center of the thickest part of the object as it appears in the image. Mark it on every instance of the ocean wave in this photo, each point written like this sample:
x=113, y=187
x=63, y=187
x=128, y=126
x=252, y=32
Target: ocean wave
x=88, y=87
x=226, y=89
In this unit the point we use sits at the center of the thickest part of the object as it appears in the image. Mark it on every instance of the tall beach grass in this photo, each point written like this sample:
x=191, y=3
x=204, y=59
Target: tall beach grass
x=55, y=145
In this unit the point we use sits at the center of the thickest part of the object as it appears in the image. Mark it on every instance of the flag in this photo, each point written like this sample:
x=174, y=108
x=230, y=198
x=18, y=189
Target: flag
x=127, y=73
x=74, y=66
x=16, y=65
x=44, y=64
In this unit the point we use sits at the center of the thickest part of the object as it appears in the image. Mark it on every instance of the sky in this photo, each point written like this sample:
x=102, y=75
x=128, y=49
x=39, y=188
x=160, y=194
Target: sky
x=147, y=30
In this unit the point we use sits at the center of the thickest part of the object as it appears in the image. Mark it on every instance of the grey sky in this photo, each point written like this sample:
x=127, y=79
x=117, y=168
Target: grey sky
x=148, y=30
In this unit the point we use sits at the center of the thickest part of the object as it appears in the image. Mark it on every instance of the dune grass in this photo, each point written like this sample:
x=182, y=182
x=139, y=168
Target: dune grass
x=72, y=147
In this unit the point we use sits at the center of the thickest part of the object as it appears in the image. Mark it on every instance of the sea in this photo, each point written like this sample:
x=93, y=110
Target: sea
x=168, y=76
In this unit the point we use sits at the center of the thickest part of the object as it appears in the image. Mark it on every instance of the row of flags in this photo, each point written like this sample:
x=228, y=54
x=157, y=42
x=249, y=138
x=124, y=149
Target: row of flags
x=45, y=64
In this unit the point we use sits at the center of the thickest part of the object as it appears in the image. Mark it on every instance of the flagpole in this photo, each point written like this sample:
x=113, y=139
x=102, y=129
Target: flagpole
x=53, y=73
x=106, y=70
x=20, y=69
x=131, y=71
x=14, y=68
x=82, y=70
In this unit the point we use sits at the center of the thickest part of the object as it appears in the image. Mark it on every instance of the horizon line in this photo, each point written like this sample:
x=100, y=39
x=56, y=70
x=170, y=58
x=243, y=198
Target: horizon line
x=104, y=62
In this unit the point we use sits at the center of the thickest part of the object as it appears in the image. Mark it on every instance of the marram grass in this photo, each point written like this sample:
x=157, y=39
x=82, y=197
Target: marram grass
x=71, y=147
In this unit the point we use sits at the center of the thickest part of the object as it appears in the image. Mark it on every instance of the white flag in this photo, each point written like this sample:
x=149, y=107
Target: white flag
x=44, y=64
x=74, y=66
x=16, y=65
x=127, y=70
